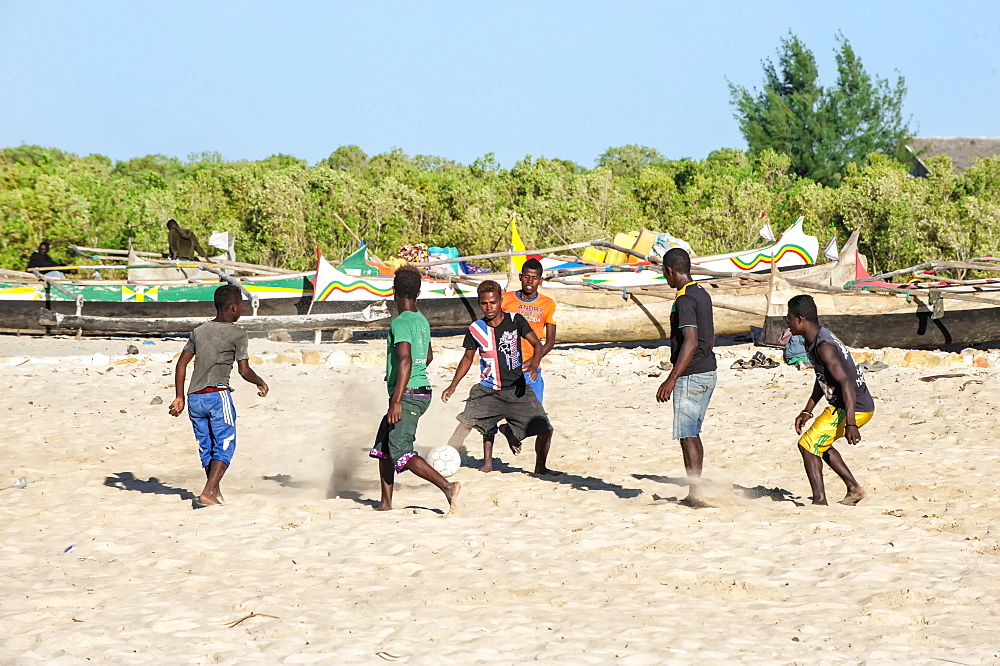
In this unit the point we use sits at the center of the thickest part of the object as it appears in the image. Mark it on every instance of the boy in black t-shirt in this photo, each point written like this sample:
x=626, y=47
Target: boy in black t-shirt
x=502, y=393
x=692, y=378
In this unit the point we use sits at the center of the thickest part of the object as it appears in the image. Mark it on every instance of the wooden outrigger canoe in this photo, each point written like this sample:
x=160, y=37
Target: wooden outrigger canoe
x=21, y=299
x=251, y=324
x=602, y=307
x=876, y=314
x=634, y=314
x=596, y=303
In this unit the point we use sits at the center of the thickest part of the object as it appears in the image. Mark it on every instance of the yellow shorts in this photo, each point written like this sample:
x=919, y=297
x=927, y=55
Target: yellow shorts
x=827, y=428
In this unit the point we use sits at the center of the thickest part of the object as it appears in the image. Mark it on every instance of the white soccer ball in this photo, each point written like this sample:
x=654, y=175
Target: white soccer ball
x=445, y=459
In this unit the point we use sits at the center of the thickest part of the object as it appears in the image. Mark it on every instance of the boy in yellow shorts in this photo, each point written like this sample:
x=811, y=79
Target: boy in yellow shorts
x=850, y=404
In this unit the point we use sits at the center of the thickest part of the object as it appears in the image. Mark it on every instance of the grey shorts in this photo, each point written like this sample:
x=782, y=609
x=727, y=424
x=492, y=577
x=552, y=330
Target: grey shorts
x=691, y=397
x=486, y=407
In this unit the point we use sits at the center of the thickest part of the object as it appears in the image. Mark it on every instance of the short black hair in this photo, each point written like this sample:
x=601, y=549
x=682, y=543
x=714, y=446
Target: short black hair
x=406, y=282
x=532, y=265
x=226, y=295
x=487, y=286
x=173, y=222
x=803, y=306
x=678, y=259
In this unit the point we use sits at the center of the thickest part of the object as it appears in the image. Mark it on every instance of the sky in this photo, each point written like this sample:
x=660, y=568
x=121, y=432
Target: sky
x=457, y=79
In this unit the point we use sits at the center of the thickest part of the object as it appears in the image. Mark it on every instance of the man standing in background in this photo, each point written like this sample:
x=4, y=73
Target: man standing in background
x=540, y=312
x=183, y=243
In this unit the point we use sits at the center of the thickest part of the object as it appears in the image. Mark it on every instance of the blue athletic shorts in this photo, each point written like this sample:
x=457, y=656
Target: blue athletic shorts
x=537, y=385
x=213, y=417
x=691, y=397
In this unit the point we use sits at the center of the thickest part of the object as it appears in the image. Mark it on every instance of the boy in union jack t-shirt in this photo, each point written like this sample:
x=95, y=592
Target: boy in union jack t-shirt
x=502, y=392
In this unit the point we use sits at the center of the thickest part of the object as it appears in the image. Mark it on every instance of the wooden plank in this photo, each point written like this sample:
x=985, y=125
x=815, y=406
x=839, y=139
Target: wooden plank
x=372, y=313
x=642, y=291
x=624, y=250
x=55, y=285
x=103, y=250
x=6, y=272
x=497, y=255
x=451, y=277
x=968, y=297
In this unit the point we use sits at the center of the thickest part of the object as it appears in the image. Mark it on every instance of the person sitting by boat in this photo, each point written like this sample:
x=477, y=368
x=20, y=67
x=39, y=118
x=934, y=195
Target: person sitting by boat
x=183, y=243
x=502, y=392
x=41, y=260
x=540, y=312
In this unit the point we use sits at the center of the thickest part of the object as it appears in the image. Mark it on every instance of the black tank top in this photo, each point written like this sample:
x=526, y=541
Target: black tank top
x=863, y=401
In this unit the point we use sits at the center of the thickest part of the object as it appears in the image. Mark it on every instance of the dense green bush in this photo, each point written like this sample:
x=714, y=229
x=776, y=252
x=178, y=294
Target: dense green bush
x=281, y=209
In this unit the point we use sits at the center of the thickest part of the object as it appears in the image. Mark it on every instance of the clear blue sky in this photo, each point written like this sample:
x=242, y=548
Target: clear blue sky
x=456, y=79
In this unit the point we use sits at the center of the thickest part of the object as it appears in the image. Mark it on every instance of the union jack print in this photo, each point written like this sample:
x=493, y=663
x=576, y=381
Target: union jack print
x=489, y=363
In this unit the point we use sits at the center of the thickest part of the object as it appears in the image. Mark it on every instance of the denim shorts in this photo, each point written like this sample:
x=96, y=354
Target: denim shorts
x=691, y=397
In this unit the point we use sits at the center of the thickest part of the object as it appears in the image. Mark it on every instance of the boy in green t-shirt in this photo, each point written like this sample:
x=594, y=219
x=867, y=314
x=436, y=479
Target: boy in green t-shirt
x=408, y=354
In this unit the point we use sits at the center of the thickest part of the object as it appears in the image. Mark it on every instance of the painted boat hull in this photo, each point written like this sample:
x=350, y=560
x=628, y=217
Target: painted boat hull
x=585, y=314
x=22, y=315
x=259, y=323
x=893, y=325
x=876, y=320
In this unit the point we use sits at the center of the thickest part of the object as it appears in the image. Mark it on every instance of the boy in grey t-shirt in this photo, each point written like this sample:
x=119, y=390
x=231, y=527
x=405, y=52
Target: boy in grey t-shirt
x=217, y=344
x=850, y=404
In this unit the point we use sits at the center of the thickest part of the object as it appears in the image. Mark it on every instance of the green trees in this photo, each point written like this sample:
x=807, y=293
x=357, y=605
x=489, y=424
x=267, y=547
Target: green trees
x=821, y=129
x=628, y=160
x=347, y=158
x=280, y=208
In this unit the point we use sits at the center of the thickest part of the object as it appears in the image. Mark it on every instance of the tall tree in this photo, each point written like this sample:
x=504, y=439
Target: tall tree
x=868, y=112
x=347, y=158
x=628, y=160
x=821, y=129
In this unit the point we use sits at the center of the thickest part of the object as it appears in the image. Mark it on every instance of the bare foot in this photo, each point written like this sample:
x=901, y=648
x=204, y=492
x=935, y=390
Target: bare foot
x=820, y=502
x=545, y=471
x=695, y=503
x=208, y=500
x=384, y=507
x=854, y=496
x=515, y=446
x=452, y=494
x=487, y=468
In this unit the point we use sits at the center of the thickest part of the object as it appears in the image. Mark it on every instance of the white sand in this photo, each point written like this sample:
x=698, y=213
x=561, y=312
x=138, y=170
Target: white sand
x=601, y=565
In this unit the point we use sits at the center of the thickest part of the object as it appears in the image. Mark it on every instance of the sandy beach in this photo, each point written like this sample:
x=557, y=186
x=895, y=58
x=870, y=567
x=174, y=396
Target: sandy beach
x=105, y=561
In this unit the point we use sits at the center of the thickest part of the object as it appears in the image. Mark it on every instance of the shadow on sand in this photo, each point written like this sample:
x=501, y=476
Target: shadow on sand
x=128, y=481
x=575, y=481
x=332, y=491
x=760, y=492
x=755, y=493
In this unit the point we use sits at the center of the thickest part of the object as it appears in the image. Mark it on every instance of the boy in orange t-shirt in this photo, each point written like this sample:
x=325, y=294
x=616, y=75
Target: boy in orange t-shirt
x=540, y=312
